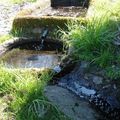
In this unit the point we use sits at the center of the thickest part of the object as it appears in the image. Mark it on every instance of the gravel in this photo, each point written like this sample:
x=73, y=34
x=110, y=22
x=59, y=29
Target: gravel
x=7, y=14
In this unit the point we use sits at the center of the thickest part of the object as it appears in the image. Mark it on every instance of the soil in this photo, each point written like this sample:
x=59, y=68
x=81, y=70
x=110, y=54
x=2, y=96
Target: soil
x=62, y=11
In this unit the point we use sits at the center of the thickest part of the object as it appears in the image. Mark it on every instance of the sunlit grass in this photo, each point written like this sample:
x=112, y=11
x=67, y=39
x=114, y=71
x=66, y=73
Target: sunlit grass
x=4, y=38
x=16, y=1
x=93, y=42
x=22, y=91
x=108, y=6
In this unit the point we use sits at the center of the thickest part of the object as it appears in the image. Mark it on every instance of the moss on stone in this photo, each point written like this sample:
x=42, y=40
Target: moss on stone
x=30, y=22
x=25, y=12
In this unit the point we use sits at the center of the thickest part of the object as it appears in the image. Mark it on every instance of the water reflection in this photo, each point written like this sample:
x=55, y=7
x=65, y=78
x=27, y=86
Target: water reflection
x=32, y=59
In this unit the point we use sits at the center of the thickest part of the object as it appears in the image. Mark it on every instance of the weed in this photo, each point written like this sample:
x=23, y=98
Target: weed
x=26, y=99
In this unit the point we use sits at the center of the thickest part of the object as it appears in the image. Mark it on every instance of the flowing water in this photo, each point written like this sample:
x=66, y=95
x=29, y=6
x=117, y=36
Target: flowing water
x=31, y=59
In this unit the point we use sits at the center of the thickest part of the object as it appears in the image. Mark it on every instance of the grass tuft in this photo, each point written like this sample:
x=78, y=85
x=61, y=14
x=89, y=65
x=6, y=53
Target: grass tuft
x=22, y=91
x=93, y=41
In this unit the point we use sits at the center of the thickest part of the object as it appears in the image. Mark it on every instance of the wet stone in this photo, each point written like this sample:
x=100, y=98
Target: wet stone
x=76, y=82
x=97, y=80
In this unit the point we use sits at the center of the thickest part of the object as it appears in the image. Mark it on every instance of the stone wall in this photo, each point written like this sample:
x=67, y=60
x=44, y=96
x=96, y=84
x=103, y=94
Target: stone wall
x=56, y=3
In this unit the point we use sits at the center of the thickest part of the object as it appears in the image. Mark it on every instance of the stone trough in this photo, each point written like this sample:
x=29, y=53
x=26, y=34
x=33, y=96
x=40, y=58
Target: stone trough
x=31, y=53
x=37, y=16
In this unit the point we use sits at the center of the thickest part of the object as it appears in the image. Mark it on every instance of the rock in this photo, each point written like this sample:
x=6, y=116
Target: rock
x=109, y=106
x=97, y=80
x=69, y=104
x=57, y=68
x=83, y=90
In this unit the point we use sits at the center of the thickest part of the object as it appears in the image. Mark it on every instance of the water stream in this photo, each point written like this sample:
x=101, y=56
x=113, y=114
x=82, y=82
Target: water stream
x=43, y=37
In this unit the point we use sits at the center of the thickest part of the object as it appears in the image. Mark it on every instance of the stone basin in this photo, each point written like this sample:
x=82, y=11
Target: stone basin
x=31, y=59
x=28, y=53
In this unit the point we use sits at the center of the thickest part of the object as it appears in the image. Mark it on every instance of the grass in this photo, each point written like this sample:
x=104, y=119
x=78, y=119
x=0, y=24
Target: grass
x=93, y=42
x=4, y=38
x=16, y=1
x=22, y=91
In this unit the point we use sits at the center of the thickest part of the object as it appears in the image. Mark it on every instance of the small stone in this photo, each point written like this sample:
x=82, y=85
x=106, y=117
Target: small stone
x=57, y=69
x=97, y=80
x=114, y=86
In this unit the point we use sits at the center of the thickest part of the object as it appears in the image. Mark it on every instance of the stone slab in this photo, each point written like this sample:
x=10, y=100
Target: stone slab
x=69, y=104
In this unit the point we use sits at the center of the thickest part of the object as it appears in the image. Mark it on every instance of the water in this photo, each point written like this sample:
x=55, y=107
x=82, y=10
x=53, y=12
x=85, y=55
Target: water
x=41, y=44
x=31, y=59
x=44, y=35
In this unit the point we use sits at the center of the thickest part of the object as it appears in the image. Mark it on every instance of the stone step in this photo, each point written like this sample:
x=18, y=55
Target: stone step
x=41, y=15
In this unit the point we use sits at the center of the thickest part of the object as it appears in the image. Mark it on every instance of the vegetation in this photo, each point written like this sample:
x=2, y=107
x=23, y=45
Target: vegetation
x=22, y=91
x=93, y=41
x=4, y=38
x=18, y=1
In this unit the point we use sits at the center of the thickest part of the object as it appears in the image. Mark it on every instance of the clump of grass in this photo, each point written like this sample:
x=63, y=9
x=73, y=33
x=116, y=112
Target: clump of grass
x=25, y=98
x=102, y=6
x=93, y=41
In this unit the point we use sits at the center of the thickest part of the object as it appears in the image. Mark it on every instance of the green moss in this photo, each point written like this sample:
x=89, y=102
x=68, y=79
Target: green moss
x=21, y=24
x=25, y=12
x=4, y=38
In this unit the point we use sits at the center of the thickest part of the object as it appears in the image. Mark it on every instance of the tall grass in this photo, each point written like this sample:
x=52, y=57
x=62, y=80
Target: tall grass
x=23, y=93
x=93, y=42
